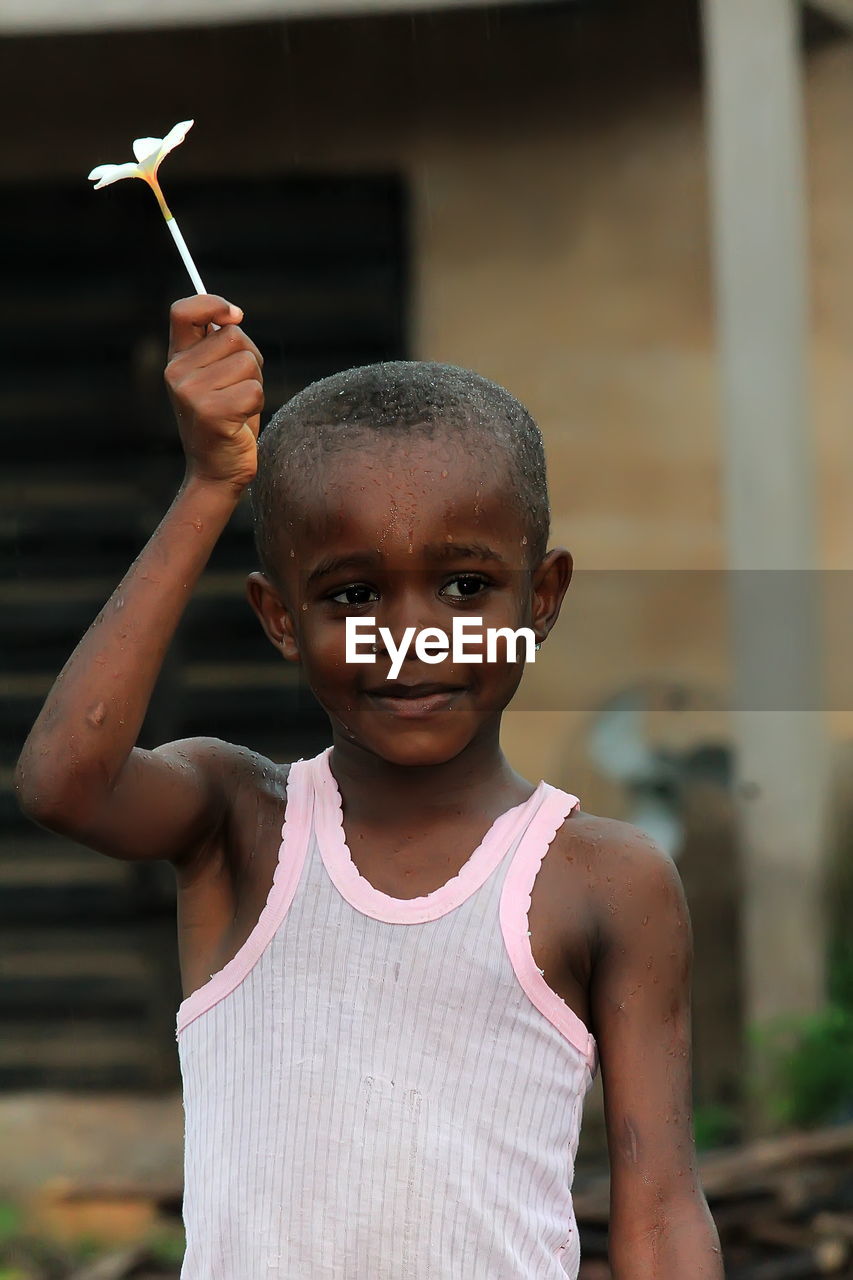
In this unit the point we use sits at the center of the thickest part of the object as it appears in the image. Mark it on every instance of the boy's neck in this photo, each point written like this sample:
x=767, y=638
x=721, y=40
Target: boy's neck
x=478, y=780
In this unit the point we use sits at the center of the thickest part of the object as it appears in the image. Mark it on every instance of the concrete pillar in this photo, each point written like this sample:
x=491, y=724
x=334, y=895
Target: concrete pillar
x=758, y=193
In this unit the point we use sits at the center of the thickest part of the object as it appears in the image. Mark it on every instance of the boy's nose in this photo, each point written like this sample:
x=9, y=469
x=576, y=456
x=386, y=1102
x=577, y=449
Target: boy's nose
x=401, y=633
x=410, y=607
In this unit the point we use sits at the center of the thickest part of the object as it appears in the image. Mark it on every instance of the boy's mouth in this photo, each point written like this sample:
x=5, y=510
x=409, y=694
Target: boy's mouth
x=400, y=689
x=413, y=700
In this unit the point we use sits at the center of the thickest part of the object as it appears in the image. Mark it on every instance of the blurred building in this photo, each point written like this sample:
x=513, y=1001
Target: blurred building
x=518, y=189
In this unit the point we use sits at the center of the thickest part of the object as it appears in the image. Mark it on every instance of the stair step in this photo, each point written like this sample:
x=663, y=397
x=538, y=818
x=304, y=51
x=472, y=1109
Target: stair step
x=60, y=1044
x=39, y=904
x=91, y=998
x=71, y=540
x=78, y=963
x=234, y=677
x=99, y=941
x=55, y=867
x=61, y=592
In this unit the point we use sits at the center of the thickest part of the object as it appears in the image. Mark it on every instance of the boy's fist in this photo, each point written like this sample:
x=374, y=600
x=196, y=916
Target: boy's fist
x=215, y=384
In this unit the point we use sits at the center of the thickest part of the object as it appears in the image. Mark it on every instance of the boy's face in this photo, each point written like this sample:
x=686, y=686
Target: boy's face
x=408, y=534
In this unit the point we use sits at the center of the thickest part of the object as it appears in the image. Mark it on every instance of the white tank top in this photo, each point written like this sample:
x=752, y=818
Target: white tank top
x=384, y=1089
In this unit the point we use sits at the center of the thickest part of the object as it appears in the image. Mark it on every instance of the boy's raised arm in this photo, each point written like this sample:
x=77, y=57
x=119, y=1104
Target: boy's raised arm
x=80, y=771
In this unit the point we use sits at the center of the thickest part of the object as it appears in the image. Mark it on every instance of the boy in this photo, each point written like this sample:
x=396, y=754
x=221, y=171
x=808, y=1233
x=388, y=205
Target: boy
x=385, y=1039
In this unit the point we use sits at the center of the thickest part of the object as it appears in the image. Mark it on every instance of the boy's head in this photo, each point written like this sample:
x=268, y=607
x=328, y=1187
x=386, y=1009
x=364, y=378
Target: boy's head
x=389, y=404
x=407, y=493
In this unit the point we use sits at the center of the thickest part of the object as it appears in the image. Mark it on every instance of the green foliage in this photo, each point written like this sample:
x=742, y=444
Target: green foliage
x=85, y=1250
x=25, y=1256
x=167, y=1246
x=715, y=1125
x=841, y=968
x=806, y=1067
x=10, y=1222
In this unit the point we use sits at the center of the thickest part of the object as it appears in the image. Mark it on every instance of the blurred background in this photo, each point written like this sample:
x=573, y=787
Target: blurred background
x=632, y=213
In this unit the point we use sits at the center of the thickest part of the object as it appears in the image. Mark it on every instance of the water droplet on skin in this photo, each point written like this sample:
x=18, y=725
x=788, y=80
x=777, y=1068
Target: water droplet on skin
x=444, y=475
x=524, y=542
x=119, y=602
x=305, y=608
x=96, y=715
x=292, y=553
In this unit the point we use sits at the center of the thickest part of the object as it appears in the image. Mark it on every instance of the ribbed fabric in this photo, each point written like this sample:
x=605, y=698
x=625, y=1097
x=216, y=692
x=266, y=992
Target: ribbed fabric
x=379, y=1089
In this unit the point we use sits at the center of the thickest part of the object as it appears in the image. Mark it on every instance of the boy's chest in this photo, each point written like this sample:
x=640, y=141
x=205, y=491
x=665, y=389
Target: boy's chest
x=559, y=915
x=559, y=919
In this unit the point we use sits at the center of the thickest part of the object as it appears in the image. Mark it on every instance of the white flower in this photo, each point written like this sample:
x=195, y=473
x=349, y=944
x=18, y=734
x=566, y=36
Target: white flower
x=149, y=152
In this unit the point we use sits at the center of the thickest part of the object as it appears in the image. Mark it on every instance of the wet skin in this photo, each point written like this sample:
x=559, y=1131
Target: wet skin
x=422, y=776
x=608, y=923
x=411, y=536
x=414, y=537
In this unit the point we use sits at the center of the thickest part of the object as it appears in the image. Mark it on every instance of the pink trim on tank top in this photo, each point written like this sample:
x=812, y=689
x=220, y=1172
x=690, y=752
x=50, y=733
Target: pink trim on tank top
x=514, y=909
x=313, y=798
x=538, y=818
x=295, y=832
x=362, y=895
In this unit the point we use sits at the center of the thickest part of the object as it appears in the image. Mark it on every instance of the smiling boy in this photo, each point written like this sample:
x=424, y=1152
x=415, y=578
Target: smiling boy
x=402, y=962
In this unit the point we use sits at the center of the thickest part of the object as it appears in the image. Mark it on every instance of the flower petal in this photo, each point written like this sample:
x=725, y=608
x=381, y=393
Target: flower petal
x=113, y=172
x=175, y=136
x=145, y=147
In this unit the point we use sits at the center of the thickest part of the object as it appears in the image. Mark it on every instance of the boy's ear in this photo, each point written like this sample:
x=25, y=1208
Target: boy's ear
x=275, y=617
x=550, y=582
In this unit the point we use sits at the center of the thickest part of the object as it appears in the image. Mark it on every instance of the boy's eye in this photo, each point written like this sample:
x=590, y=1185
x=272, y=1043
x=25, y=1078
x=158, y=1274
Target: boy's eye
x=465, y=585
x=355, y=594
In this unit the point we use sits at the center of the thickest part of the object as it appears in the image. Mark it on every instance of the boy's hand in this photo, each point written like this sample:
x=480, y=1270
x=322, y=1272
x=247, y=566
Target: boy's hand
x=215, y=384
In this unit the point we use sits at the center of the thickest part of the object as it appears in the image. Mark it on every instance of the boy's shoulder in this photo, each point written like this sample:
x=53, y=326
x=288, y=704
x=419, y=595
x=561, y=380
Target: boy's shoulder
x=253, y=788
x=608, y=839
x=234, y=766
x=624, y=870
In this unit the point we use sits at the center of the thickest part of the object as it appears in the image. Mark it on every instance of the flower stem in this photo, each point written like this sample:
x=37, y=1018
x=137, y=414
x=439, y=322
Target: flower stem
x=151, y=179
x=185, y=254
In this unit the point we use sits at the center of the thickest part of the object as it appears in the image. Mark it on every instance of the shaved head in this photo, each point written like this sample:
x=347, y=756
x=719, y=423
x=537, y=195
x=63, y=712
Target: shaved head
x=389, y=403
